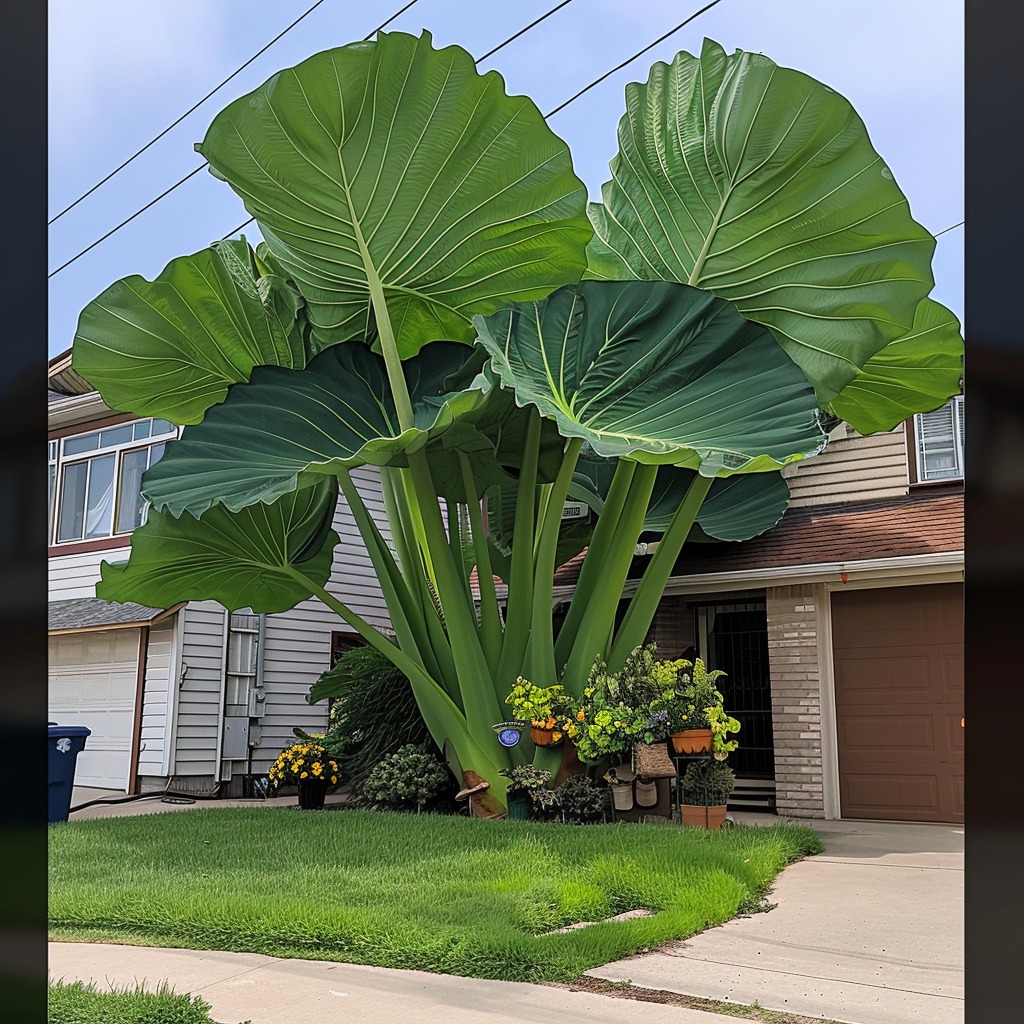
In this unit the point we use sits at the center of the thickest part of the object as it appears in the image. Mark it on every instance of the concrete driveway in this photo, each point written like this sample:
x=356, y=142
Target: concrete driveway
x=870, y=932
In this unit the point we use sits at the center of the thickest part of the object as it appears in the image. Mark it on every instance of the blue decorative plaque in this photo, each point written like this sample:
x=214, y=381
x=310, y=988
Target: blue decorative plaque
x=509, y=733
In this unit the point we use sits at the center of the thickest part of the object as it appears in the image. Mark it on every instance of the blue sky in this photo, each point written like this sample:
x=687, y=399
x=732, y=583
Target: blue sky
x=121, y=71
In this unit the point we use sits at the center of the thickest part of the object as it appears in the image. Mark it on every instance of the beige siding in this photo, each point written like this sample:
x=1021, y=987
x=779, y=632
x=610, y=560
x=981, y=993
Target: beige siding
x=154, y=698
x=852, y=468
x=796, y=700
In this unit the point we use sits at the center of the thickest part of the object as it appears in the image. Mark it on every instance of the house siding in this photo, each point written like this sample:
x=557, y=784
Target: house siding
x=796, y=699
x=72, y=576
x=154, y=699
x=200, y=696
x=852, y=468
x=297, y=643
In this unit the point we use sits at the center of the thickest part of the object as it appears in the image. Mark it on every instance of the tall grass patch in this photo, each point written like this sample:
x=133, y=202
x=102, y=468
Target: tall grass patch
x=422, y=892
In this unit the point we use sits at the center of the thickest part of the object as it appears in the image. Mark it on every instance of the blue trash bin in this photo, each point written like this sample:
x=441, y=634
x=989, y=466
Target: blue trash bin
x=66, y=743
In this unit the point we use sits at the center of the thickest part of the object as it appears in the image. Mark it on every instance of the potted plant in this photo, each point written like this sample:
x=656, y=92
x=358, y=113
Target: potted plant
x=690, y=724
x=706, y=788
x=308, y=765
x=527, y=790
x=606, y=720
x=540, y=706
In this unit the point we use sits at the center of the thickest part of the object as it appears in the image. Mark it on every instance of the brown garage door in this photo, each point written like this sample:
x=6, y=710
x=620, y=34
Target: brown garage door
x=899, y=674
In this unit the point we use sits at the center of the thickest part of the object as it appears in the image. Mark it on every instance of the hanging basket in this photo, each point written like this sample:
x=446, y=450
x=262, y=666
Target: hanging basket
x=622, y=796
x=652, y=761
x=692, y=741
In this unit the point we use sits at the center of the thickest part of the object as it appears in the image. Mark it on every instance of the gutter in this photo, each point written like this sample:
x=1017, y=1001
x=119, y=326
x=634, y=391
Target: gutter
x=945, y=563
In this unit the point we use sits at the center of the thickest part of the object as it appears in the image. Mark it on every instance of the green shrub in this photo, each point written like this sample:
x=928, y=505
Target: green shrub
x=409, y=779
x=708, y=783
x=581, y=800
x=373, y=712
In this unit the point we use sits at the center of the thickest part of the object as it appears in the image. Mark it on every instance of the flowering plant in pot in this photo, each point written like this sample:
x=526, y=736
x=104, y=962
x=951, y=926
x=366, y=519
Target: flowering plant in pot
x=691, y=714
x=541, y=706
x=527, y=790
x=605, y=719
x=706, y=788
x=308, y=765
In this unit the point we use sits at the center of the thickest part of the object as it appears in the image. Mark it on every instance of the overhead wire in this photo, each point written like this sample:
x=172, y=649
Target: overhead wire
x=196, y=170
x=195, y=106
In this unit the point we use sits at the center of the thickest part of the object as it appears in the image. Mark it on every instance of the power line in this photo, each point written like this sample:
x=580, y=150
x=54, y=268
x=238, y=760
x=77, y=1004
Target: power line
x=195, y=106
x=950, y=228
x=489, y=53
x=127, y=220
x=196, y=170
x=639, y=53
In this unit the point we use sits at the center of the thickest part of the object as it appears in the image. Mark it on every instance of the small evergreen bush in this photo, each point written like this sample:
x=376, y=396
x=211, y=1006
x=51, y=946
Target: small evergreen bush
x=409, y=779
x=581, y=800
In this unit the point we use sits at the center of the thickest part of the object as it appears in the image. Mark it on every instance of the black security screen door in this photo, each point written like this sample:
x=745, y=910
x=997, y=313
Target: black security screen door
x=737, y=643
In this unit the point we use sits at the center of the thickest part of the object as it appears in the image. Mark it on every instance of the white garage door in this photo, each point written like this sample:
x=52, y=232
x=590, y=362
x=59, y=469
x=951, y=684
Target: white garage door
x=92, y=683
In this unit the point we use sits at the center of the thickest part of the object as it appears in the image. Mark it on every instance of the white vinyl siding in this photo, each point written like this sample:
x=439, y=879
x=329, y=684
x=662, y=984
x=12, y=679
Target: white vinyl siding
x=154, y=698
x=297, y=644
x=73, y=576
x=200, y=693
x=852, y=468
x=940, y=442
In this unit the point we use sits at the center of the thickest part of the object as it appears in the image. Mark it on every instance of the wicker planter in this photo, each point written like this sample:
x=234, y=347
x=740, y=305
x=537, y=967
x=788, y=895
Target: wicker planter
x=692, y=741
x=703, y=817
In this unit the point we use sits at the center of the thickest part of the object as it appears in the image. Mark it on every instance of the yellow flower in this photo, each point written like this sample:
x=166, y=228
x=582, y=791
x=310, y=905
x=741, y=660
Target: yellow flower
x=580, y=716
x=304, y=775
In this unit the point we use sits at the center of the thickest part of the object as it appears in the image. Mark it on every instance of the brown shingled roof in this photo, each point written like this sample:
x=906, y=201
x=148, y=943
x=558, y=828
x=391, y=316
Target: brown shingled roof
x=920, y=523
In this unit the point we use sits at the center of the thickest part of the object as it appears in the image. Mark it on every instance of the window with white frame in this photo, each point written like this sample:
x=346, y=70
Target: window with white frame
x=939, y=442
x=96, y=479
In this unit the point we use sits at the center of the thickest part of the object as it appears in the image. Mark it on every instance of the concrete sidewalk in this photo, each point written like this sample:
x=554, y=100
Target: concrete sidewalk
x=870, y=931
x=265, y=990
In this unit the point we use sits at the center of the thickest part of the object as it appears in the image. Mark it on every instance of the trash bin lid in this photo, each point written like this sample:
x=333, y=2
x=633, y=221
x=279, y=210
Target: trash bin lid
x=68, y=730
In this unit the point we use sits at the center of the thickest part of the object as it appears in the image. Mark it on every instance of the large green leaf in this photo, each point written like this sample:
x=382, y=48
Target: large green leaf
x=736, y=507
x=916, y=373
x=761, y=184
x=336, y=414
x=396, y=164
x=241, y=559
x=659, y=371
x=171, y=347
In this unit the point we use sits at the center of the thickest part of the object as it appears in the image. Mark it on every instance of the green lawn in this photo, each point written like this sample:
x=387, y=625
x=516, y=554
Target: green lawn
x=446, y=894
x=77, y=1003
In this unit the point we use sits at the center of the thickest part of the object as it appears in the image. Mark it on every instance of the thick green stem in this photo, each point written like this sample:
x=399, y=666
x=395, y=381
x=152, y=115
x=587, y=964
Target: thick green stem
x=490, y=617
x=519, y=602
x=482, y=709
x=593, y=562
x=540, y=662
x=644, y=604
x=406, y=613
x=442, y=717
x=598, y=619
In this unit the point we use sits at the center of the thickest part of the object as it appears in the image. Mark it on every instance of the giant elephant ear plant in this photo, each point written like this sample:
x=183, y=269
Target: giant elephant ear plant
x=431, y=299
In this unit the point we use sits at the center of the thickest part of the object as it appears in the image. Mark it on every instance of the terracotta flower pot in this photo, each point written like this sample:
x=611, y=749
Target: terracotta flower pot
x=703, y=817
x=542, y=737
x=691, y=741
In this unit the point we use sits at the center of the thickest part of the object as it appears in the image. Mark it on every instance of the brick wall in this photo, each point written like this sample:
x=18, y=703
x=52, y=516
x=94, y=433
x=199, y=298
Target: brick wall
x=796, y=700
